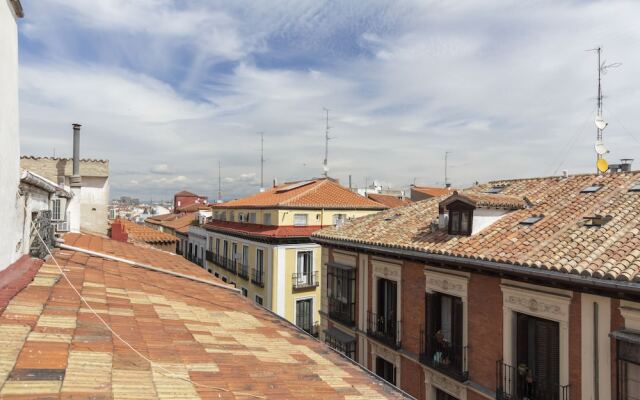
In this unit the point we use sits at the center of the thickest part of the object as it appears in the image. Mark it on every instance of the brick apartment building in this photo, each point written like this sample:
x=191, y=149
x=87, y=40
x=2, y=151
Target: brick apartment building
x=519, y=289
x=188, y=202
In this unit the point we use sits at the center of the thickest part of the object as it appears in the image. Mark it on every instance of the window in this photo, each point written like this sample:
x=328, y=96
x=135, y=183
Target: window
x=257, y=276
x=234, y=253
x=217, y=275
x=223, y=216
x=217, y=246
x=628, y=368
x=385, y=370
x=225, y=249
x=258, y=300
x=245, y=292
x=300, y=219
x=341, y=293
x=56, y=210
x=591, y=189
x=241, y=217
x=384, y=324
x=231, y=216
x=251, y=217
x=304, y=315
x=460, y=222
x=304, y=266
x=245, y=255
x=440, y=395
x=443, y=335
x=225, y=279
x=266, y=219
x=339, y=218
x=342, y=342
x=210, y=244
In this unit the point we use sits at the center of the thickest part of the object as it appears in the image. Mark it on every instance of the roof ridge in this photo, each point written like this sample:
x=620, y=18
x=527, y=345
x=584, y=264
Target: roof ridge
x=305, y=192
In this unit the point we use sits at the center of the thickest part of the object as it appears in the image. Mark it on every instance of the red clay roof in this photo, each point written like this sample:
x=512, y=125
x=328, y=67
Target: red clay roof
x=174, y=221
x=193, y=208
x=388, y=200
x=185, y=193
x=433, y=191
x=145, y=234
x=315, y=194
x=203, y=341
x=286, y=231
x=487, y=200
x=560, y=241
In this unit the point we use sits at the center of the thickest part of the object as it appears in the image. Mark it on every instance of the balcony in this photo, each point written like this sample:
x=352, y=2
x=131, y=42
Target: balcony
x=313, y=329
x=444, y=357
x=243, y=271
x=305, y=281
x=384, y=330
x=342, y=311
x=231, y=265
x=257, y=276
x=517, y=384
x=209, y=255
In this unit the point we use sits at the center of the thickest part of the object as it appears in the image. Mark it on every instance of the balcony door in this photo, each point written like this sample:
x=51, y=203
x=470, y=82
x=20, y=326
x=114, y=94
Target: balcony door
x=386, y=370
x=538, y=358
x=304, y=267
x=304, y=314
x=387, y=307
x=444, y=333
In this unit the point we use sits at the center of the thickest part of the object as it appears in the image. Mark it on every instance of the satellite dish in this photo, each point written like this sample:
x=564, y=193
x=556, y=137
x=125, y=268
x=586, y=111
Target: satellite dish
x=602, y=165
x=600, y=123
x=600, y=149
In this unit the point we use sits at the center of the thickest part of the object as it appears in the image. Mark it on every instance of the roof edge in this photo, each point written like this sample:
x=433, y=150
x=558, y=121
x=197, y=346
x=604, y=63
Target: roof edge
x=494, y=266
x=17, y=8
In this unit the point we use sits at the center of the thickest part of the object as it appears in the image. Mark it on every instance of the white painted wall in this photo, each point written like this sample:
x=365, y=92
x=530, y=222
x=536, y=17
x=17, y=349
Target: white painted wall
x=483, y=217
x=10, y=221
x=33, y=200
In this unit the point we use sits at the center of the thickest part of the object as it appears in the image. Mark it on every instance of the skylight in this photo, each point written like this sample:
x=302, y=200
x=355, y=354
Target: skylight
x=531, y=220
x=293, y=186
x=635, y=188
x=496, y=189
x=597, y=220
x=591, y=189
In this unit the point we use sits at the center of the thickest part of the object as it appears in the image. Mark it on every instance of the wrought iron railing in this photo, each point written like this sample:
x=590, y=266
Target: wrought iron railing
x=304, y=281
x=443, y=356
x=312, y=329
x=342, y=311
x=517, y=384
x=257, y=276
x=243, y=271
x=384, y=329
x=209, y=255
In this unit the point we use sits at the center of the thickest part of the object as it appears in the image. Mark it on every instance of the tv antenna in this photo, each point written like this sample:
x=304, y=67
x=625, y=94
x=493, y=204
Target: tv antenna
x=326, y=145
x=601, y=164
x=262, y=161
x=446, y=166
x=219, y=184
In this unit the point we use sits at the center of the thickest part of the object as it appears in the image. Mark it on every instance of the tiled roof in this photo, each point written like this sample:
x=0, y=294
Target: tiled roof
x=560, y=241
x=388, y=200
x=97, y=160
x=203, y=341
x=193, y=208
x=173, y=221
x=317, y=193
x=433, y=191
x=261, y=230
x=185, y=193
x=141, y=233
x=487, y=200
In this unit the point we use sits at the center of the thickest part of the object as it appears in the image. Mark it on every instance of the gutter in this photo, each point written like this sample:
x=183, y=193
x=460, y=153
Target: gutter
x=623, y=287
x=45, y=184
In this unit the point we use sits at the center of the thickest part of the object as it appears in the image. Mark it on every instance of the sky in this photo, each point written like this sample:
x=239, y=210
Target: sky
x=166, y=90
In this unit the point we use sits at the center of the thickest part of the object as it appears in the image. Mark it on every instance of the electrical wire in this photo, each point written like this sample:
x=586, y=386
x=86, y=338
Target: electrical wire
x=572, y=142
x=160, y=368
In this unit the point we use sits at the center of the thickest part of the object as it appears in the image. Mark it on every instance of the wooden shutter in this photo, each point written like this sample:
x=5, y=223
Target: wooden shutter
x=457, y=331
x=547, y=356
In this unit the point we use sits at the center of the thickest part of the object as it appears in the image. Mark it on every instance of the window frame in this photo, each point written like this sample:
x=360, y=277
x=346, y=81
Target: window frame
x=297, y=223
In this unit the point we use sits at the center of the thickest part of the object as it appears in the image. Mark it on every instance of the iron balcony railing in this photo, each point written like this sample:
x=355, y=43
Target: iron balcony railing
x=384, y=329
x=443, y=356
x=257, y=276
x=342, y=311
x=243, y=271
x=304, y=281
x=518, y=384
x=312, y=329
x=209, y=255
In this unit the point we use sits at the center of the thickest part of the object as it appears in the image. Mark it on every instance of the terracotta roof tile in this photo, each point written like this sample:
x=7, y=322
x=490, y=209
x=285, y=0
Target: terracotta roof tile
x=317, y=193
x=560, y=241
x=281, y=231
x=433, y=191
x=486, y=200
x=141, y=233
x=203, y=341
x=388, y=200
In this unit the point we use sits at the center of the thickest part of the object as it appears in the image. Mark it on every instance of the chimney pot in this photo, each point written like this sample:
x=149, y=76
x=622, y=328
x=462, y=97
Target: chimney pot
x=75, y=177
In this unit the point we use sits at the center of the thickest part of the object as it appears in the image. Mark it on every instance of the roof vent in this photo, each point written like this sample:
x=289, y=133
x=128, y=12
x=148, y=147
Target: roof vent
x=591, y=189
x=635, y=187
x=597, y=220
x=531, y=220
x=496, y=189
x=293, y=186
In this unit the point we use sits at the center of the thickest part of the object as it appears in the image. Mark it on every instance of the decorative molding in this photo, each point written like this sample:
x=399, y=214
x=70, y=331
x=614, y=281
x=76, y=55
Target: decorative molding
x=386, y=270
x=345, y=259
x=631, y=313
x=539, y=304
x=444, y=383
x=445, y=283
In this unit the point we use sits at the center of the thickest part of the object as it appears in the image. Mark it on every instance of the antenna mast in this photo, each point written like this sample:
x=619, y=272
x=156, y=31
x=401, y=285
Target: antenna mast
x=326, y=145
x=219, y=184
x=261, y=161
x=446, y=159
x=598, y=130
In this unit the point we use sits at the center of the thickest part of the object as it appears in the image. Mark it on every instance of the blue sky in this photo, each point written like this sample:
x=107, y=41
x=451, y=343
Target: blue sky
x=165, y=89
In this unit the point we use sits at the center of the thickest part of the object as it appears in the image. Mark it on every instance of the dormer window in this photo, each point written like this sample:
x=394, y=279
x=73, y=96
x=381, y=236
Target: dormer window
x=495, y=189
x=460, y=222
x=597, y=220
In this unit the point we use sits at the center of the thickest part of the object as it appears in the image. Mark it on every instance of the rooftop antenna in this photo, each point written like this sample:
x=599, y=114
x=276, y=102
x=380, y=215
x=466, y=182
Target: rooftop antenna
x=262, y=161
x=603, y=67
x=446, y=166
x=219, y=184
x=326, y=145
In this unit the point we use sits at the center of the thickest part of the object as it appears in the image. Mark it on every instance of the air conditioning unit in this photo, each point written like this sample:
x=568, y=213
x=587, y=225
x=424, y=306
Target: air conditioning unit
x=62, y=226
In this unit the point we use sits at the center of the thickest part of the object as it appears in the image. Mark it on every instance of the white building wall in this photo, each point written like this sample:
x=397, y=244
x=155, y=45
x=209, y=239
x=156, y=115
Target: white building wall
x=10, y=222
x=483, y=217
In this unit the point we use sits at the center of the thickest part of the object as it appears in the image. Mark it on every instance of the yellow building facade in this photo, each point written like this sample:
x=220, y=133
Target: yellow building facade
x=261, y=244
